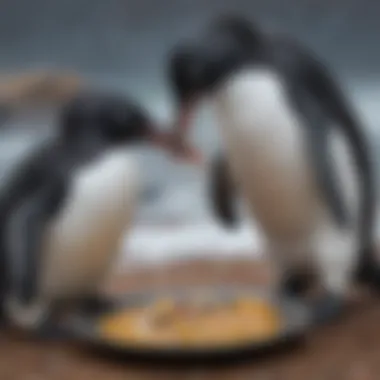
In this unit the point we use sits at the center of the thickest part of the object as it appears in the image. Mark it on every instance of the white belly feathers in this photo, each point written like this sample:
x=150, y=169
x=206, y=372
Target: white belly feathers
x=267, y=152
x=85, y=236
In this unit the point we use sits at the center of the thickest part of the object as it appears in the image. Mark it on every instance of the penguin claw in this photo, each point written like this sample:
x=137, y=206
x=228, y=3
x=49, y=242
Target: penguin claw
x=296, y=285
x=368, y=273
x=327, y=308
x=51, y=331
x=94, y=304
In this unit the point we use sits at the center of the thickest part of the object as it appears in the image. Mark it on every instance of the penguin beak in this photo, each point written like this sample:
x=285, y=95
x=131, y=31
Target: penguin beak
x=184, y=119
x=160, y=139
x=181, y=148
x=175, y=145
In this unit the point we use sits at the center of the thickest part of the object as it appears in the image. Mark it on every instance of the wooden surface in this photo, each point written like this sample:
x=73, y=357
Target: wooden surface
x=349, y=349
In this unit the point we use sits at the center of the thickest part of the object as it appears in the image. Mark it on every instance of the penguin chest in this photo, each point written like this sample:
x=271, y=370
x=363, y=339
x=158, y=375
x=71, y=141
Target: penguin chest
x=84, y=237
x=266, y=148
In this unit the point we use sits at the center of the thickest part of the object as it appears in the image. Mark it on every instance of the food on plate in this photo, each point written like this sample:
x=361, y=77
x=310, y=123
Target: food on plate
x=199, y=323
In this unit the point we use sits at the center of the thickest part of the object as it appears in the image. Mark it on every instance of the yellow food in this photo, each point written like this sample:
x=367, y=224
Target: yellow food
x=166, y=323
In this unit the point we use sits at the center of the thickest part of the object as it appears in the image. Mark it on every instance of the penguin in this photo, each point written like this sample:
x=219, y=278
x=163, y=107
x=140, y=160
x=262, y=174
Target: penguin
x=66, y=206
x=293, y=148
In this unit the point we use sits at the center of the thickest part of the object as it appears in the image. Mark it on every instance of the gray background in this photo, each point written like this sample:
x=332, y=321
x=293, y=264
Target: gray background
x=123, y=44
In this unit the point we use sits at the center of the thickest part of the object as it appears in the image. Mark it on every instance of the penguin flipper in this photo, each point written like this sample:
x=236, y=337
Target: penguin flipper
x=324, y=89
x=326, y=172
x=222, y=191
x=32, y=217
x=24, y=180
x=309, y=100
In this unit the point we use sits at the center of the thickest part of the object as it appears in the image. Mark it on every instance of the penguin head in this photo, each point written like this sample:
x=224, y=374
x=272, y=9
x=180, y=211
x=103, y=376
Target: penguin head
x=198, y=66
x=94, y=122
x=111, y=119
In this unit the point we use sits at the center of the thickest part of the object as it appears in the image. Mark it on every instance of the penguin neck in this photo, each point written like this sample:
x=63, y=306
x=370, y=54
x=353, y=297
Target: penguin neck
x=82, y=148
x=249, y=58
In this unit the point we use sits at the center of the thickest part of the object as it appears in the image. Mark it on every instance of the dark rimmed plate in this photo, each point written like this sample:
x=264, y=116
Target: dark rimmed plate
x=297, y=318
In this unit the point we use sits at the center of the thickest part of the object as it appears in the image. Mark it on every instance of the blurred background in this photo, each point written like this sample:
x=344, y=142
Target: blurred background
x=123, y=45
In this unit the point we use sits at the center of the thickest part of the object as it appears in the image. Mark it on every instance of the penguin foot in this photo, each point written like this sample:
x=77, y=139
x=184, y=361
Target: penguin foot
x=93, y=304
x=373, y=283
x=296, y=284
x=366, y=272
x=327, y=307
x=51, y=330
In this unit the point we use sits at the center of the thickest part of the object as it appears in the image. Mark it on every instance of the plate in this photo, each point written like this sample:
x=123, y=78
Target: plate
x=296, y=316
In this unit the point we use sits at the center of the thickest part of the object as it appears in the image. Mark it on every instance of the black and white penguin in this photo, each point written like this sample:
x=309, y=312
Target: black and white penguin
x=292, y=144
x=66, y=206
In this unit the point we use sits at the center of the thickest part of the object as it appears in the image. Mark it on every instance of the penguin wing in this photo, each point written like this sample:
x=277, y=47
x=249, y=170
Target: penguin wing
x=23, y=180
x=222, y=191
x=26, y=178
x=26, y=231
x=327, y=94
x=317, y=129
